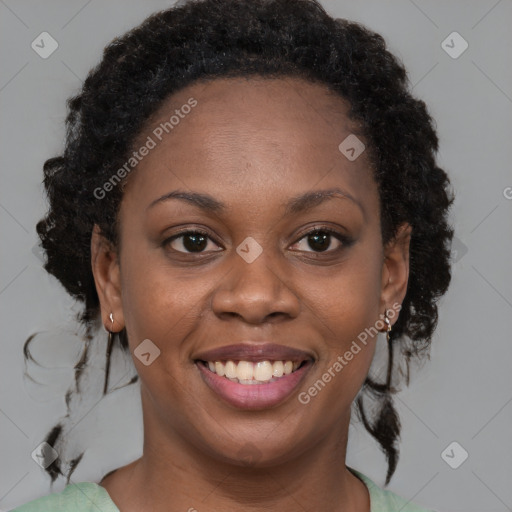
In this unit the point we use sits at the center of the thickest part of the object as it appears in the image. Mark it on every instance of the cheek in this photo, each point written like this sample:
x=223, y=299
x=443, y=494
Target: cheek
x=162, y=306
x=159, y=303
x=349, y=299
x=349, y=347
x=346, y=311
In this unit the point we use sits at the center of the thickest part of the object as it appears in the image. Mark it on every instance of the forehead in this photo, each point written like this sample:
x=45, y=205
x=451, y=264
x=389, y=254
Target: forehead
x=250, y=136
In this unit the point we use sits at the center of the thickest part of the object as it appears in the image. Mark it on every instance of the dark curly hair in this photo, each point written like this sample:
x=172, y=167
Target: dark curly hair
x=205, y=39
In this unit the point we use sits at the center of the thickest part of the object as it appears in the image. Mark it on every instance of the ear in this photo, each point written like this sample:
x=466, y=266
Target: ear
x=107, y=277
x=395, y=268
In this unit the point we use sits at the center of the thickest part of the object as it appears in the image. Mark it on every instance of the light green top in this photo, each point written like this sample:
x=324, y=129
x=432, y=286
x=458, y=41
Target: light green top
x=91, y=497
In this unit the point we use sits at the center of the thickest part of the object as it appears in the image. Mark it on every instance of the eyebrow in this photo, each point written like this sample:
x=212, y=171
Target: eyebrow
x=309, y=200
x=295, y=205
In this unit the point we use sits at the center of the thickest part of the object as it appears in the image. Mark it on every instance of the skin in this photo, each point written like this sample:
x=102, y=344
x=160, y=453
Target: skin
x=252, y=144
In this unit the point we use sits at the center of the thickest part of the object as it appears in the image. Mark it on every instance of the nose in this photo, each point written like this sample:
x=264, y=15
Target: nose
x=256, y=292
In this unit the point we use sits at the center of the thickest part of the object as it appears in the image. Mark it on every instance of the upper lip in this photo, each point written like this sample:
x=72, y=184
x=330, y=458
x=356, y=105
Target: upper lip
x=254, y=351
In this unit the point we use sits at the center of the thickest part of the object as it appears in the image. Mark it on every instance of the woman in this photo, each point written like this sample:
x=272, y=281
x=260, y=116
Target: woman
x=247, y=197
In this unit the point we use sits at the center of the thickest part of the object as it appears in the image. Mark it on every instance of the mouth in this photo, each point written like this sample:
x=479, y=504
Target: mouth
x=253, y=376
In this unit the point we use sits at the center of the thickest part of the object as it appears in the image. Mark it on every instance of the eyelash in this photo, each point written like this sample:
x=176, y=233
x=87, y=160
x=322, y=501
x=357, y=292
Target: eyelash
x=345, y=240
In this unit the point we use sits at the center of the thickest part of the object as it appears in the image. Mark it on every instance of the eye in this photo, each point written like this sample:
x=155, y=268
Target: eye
x=189, y=242
x=321, y=240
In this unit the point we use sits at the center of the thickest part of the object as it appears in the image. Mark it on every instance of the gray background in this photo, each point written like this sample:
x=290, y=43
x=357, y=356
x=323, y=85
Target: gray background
x=463, y=394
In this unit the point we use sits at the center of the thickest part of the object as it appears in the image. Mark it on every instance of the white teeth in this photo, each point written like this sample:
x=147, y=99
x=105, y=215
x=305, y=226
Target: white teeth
x=278, y=369
x=219, y=369
x=263, y=371
x=231, y=372
x=244, y=370
x=247, y=372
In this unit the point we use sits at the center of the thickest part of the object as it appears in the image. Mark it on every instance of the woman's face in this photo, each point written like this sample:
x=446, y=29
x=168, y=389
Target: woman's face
x=260, y=164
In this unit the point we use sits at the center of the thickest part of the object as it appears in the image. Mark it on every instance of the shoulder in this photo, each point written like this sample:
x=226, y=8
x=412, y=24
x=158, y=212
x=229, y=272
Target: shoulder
x=384, y=500
x=79, y=497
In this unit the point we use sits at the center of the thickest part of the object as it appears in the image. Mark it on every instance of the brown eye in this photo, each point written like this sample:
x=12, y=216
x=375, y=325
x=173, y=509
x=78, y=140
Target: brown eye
x=321, y=240
x=189, y=242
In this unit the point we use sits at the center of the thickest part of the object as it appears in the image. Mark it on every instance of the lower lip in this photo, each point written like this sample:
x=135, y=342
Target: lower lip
x=254, y=396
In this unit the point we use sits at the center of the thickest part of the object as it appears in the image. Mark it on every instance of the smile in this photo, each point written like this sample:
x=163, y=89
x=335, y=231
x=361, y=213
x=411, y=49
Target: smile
x=253, y=375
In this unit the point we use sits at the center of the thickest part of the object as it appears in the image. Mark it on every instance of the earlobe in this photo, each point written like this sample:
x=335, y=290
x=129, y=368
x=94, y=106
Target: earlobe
x=106, y=272
x=395, y=268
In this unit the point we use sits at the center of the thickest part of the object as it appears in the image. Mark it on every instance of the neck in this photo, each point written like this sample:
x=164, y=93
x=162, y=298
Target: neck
x=173, y=475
